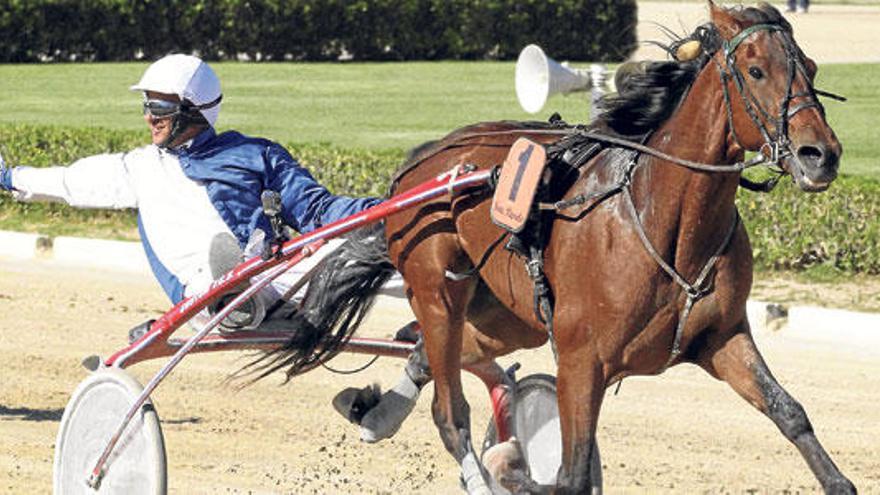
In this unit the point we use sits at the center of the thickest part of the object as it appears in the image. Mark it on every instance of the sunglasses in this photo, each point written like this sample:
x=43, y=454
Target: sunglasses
x=161, y=108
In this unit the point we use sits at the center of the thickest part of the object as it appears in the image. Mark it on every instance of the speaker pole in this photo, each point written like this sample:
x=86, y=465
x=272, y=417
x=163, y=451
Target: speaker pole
x=599, y=79
x=539, y=77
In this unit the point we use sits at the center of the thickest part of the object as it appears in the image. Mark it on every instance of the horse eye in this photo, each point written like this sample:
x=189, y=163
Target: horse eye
x=756, y=73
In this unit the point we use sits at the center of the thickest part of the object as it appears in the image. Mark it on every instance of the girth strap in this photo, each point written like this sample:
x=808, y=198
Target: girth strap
x=543, y=297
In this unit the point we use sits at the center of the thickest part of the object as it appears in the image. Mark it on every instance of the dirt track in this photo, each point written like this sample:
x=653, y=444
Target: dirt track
x=679, y=433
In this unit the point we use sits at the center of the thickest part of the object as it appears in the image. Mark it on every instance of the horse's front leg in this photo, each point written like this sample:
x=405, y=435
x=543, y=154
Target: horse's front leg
x=580, y=386
x=737, y=361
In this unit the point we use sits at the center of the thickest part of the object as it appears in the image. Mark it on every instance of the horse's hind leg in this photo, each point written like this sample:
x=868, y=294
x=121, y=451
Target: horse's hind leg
x=440, y=308
x=737, y=361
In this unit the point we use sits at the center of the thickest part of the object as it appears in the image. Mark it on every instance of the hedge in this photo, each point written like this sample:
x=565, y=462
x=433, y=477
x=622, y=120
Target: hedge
x=790, y=230
x=839, y=228
x=119, y=30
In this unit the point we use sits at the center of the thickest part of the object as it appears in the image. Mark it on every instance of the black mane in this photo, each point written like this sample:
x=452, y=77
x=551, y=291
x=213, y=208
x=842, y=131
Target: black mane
x=650, y=92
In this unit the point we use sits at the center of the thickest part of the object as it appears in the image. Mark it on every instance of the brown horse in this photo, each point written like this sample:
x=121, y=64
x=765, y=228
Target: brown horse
x=645, y=256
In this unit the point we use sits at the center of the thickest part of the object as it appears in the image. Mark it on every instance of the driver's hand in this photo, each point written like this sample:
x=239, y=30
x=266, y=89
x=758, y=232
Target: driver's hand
x=5, y=176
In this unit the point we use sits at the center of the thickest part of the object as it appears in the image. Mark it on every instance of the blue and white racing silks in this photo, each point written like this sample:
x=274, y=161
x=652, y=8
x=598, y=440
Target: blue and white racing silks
x=186, y=197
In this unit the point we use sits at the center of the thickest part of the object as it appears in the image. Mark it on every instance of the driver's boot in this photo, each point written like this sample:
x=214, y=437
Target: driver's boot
x=225, y=255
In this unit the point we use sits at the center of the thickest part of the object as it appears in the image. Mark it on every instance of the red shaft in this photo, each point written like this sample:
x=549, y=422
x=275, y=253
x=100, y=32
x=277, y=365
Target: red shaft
x=189, y=307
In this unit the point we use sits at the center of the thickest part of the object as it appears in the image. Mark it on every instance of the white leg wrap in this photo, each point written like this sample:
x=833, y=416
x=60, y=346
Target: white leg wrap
x=384, y=420
x=472, y=476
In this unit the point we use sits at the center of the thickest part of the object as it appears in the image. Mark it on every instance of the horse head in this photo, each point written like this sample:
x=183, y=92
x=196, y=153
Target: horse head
x=778, y=111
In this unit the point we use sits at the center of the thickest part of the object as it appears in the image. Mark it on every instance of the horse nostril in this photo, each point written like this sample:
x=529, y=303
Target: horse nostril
x=811, y=155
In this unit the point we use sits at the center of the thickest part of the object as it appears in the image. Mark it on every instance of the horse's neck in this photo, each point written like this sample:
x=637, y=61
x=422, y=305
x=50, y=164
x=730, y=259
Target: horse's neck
x=694, y=209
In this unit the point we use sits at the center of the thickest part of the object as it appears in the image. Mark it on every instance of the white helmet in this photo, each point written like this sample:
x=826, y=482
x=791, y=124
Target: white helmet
x=189, y=78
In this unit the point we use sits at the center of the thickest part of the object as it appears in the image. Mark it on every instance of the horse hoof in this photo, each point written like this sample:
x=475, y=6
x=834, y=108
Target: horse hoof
x=840, y=486
x=507, y=465
x=354, y=403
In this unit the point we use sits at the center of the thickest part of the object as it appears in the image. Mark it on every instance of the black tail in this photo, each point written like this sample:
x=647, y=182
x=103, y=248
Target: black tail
x=338, y=298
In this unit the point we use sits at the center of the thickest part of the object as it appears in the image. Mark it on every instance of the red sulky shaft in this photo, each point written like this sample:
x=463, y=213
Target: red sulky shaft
x=290, y=254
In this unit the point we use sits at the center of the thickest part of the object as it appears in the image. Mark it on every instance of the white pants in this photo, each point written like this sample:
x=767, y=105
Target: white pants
x=282, y=285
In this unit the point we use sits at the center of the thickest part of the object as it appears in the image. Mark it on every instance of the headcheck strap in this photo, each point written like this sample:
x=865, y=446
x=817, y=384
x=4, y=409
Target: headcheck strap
x=731, y=46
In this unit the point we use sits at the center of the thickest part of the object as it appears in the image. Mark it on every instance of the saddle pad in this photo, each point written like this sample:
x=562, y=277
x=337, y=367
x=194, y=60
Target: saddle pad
x=517, y=184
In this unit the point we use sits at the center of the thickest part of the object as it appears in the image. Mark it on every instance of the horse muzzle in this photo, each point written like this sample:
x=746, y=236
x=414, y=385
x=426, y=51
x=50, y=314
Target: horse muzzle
x=813, y=166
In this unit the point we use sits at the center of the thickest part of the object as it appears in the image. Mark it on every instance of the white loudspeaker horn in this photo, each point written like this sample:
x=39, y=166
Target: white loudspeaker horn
x=538, y=77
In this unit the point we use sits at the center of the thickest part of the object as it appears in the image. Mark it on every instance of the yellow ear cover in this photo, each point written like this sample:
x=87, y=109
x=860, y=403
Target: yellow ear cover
x=688, y=51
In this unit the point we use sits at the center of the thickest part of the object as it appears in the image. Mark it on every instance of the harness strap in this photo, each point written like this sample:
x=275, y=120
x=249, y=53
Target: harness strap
x=695, y=291
x=581, y=199
x=803, y=106
x=730, y=46
x=748, y=100
x=542, y=296
x=724, y=80
x=699, y=290
x=827, y=94
x=459, y=276
x=762, y=187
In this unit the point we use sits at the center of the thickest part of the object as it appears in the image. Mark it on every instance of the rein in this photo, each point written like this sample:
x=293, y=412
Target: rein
x=585, y=132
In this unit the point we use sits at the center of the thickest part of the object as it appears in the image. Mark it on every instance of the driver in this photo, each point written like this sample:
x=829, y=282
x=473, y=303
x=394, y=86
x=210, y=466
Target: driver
x=198, y=198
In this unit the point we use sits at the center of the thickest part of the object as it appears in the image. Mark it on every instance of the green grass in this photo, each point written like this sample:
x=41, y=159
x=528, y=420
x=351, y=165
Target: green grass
x=373, y=106
x=855, y=121
x=376, y=106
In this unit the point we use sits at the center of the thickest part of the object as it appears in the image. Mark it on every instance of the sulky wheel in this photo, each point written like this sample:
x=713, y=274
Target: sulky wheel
x=95, y=411
x=536, y=426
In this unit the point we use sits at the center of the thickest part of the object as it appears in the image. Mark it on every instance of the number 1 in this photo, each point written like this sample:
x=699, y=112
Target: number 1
x=523, y=161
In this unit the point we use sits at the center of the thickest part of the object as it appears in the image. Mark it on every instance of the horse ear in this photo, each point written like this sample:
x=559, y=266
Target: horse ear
x=812, y=68
x=727, y=24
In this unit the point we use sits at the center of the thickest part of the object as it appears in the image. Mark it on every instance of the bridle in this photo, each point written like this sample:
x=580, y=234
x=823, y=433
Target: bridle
x=776, y=147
